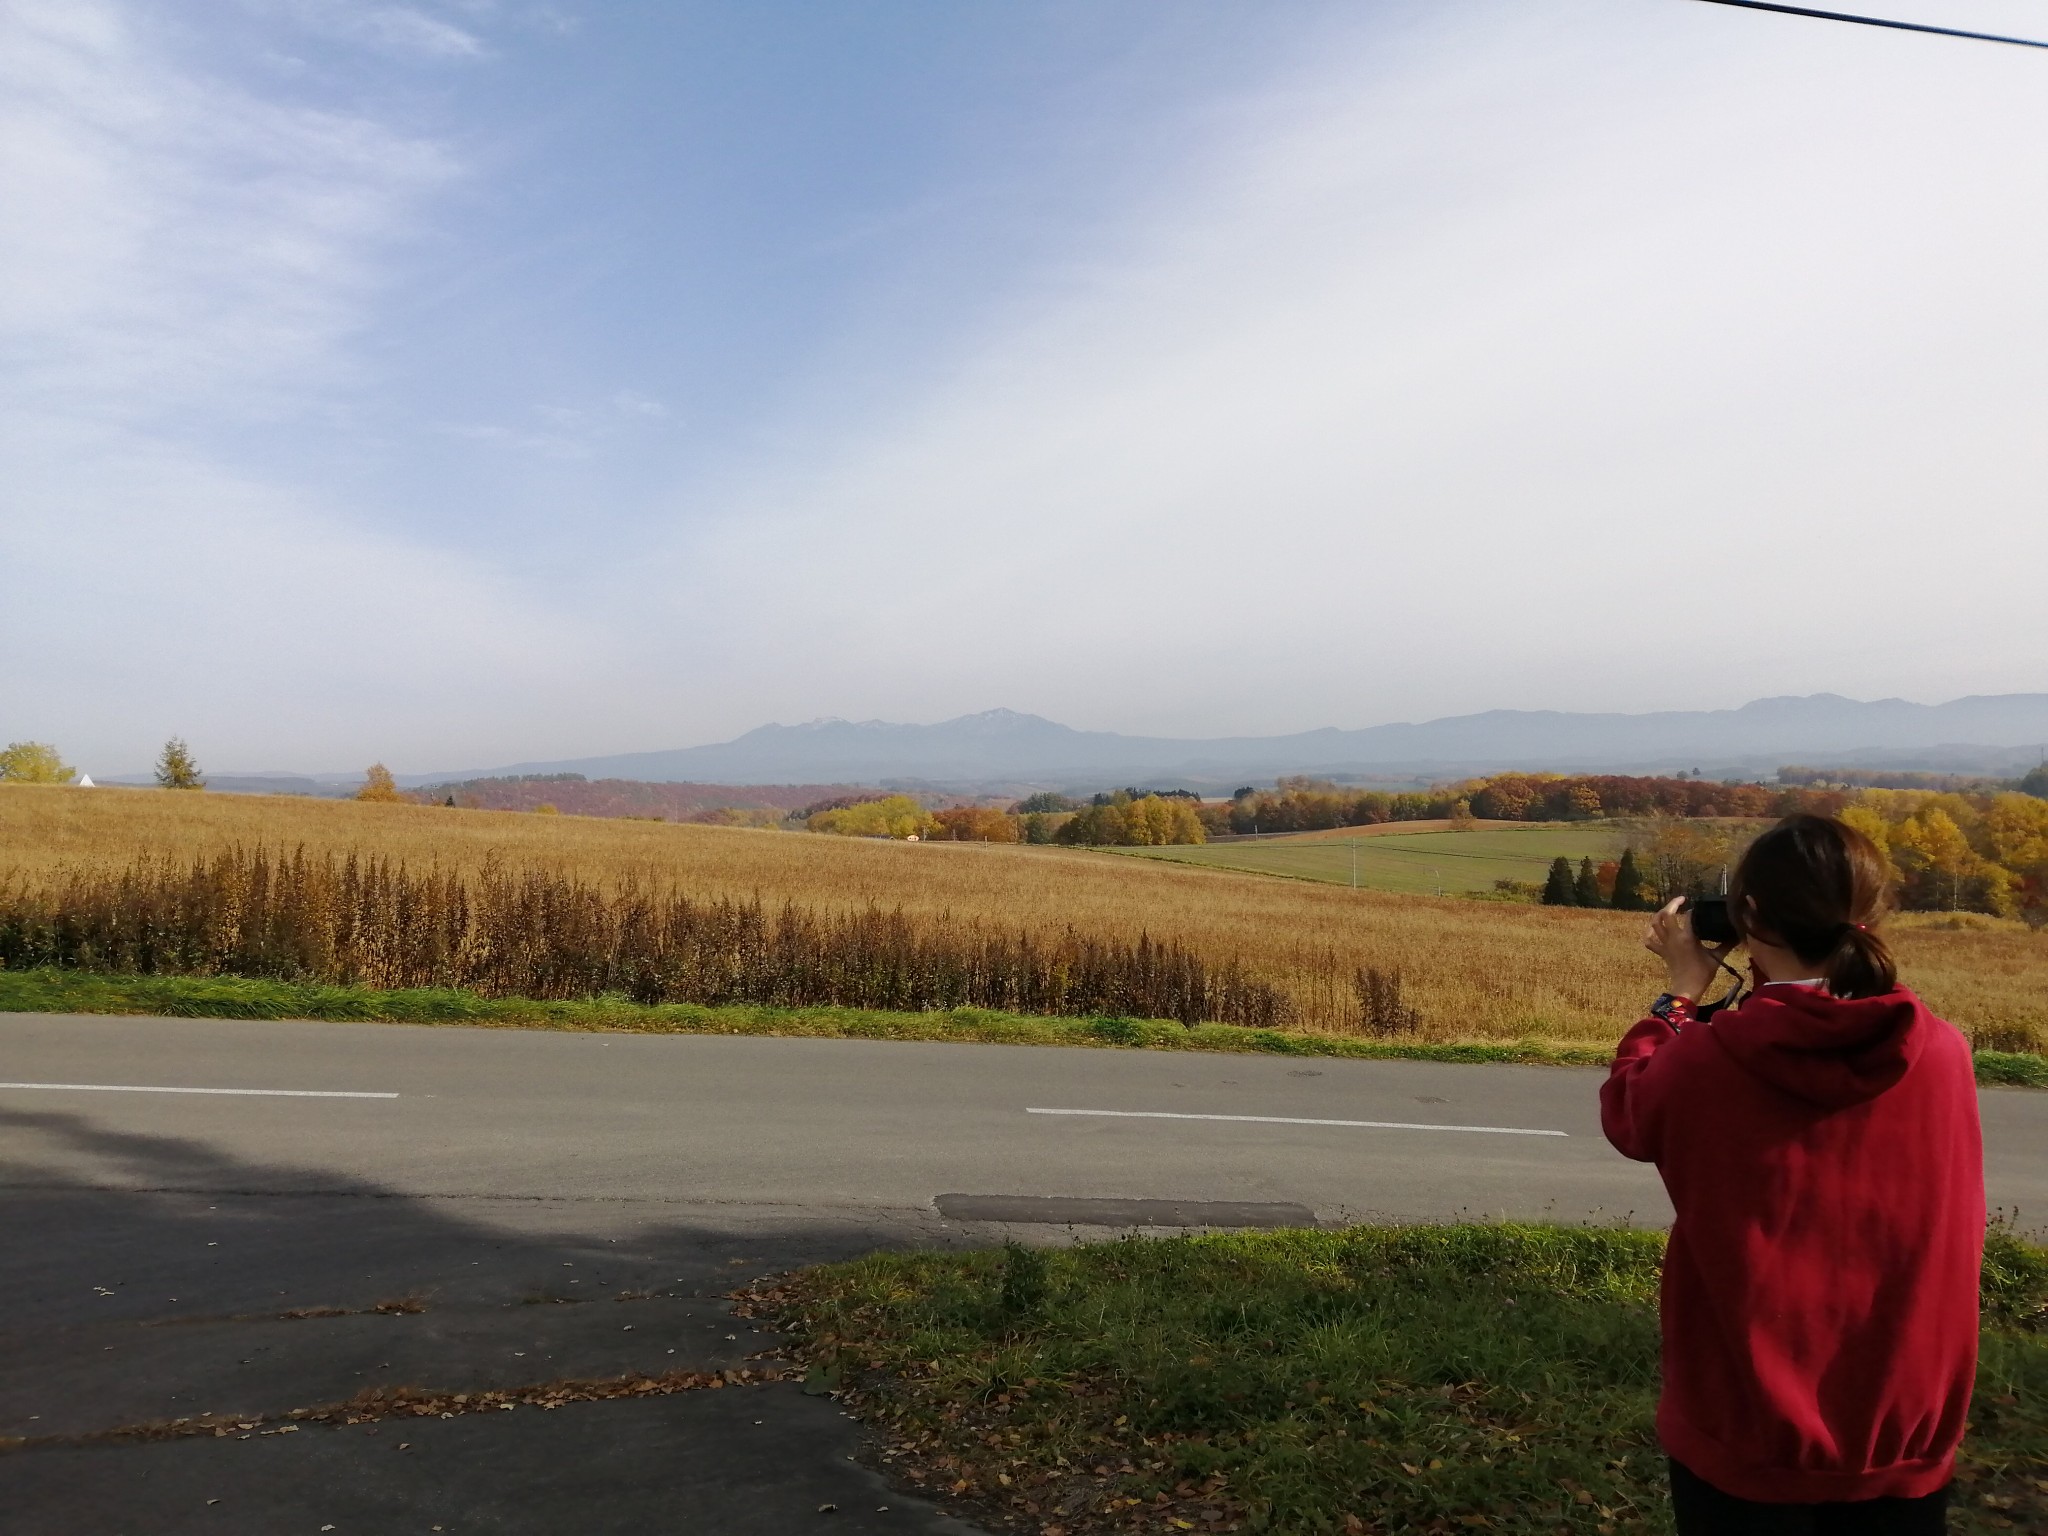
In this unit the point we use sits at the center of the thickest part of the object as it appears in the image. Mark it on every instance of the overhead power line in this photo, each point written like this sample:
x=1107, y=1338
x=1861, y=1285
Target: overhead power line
x=1878, y=21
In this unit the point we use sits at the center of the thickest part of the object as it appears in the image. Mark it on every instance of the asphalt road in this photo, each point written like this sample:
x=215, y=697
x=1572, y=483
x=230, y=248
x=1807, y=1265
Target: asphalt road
x=515, y=1185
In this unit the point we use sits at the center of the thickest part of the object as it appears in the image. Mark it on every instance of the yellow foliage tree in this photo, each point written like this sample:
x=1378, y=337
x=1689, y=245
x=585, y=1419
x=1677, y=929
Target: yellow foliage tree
x=379, y=785
x=1151, y=821
x=896, y=816
x=1940, y=867
x=2017, y=828
x=1155, y=821
x=33, y=762
x=1873, y=826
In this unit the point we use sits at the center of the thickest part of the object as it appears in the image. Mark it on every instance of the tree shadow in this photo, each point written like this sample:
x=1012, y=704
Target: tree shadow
x=154, y=1277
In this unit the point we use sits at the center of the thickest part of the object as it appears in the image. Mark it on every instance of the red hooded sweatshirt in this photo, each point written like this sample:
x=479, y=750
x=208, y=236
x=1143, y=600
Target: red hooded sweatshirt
x=1820, y=1289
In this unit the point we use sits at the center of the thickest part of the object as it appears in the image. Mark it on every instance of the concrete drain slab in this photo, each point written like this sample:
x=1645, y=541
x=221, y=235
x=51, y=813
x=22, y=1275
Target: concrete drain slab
x=1075, y=1210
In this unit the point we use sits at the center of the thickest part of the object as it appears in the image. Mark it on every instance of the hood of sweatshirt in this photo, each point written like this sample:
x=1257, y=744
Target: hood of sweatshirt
x=1829, y=1051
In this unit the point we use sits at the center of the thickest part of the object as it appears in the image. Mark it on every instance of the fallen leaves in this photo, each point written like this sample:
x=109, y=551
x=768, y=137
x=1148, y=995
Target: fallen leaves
x=395, y=1306
x=376, y=1403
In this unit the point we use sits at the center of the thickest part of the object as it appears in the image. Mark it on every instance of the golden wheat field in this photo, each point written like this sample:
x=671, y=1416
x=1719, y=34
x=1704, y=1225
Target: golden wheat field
x=1476, y=970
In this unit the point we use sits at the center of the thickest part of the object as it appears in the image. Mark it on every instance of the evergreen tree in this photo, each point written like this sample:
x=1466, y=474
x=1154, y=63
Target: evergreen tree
x=1628, y=883
x=2036, y=783
x=1045, y=800
x=1557, y=890
x=176, y=770
x=1586, y=889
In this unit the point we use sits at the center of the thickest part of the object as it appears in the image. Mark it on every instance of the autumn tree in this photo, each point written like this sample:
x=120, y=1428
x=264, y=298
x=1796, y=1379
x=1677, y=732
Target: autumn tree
x=378, y=785
x=1586, y=889
x=2017, y=829
x=175, y=769
x=975, y=824
x=896, y=816
x=1688, y=858
x=33, y=762
x=1506, y=797
x=1149, y=821
x=1557, y=890
x=1934, y=856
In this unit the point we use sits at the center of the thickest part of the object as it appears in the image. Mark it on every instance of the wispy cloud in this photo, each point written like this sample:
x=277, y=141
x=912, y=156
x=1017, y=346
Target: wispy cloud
x=567, y=431
x=182, y=258
x=404, y=30
x=172, y=242
x=632, y=403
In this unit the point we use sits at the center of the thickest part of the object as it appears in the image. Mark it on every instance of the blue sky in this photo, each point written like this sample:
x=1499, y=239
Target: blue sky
x=465, y=382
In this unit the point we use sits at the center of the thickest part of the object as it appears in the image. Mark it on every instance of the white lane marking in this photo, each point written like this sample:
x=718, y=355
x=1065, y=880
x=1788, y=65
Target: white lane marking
x=251, y=1093
x=1370, y=1125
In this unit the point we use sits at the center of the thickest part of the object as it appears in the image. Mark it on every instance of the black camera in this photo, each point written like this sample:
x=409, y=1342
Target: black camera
x=1711, y=921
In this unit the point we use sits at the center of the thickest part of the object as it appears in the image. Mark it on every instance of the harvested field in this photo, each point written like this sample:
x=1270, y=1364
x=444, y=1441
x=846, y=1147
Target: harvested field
x=1474, y=970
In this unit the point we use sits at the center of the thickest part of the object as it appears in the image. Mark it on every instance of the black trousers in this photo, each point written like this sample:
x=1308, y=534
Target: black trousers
x=1704, y=1510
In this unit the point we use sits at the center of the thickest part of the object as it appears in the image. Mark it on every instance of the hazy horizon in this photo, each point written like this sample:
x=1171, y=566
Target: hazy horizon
x=417, y=771
x=480, y=381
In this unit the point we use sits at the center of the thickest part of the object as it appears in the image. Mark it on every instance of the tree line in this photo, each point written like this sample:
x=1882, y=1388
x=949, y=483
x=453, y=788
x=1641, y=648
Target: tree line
x=1619, y=885
x=1952, y=852
x=1949, y=849
x=1302, y=804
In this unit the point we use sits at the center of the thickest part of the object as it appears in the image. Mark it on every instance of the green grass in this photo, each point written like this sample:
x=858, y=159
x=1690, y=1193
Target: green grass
x=1380, y=1379
x=235, y=997
x=1410, y=862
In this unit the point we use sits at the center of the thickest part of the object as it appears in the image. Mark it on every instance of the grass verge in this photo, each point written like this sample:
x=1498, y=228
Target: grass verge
x=234, y=997
x=1375, y=1380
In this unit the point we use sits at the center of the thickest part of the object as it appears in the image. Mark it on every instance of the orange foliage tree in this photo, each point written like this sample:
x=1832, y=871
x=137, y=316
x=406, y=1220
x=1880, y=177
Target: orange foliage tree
x=975, y=824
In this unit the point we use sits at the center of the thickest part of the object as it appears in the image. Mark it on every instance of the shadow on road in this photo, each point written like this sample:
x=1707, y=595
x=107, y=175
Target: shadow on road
x=151, y=1278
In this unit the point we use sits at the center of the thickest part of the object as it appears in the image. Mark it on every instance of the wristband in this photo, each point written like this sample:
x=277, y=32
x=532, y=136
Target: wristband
x=1673, y=1010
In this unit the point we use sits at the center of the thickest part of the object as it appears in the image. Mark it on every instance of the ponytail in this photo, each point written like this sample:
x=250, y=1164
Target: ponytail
x=1861, y=965
x=1816, y=886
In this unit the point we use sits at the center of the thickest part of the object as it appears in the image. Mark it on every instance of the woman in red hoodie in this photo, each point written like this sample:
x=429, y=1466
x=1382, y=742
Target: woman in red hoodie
x=1821, y=1148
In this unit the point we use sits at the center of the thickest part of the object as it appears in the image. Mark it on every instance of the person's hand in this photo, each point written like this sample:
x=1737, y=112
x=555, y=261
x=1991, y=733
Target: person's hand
x=1688, y=963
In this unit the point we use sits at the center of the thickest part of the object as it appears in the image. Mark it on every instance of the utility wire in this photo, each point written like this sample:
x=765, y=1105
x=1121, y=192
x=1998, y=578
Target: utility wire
x=1878, y=21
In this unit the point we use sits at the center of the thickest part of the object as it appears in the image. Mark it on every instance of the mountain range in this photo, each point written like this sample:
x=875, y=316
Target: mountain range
x=1998, y=733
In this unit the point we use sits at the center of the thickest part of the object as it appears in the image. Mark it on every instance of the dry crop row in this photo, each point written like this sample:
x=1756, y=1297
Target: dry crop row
x=1473, y=970
x=548, y=935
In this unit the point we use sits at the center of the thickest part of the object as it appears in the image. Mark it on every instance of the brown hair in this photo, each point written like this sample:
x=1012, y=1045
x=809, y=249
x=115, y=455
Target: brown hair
x=1815, y=886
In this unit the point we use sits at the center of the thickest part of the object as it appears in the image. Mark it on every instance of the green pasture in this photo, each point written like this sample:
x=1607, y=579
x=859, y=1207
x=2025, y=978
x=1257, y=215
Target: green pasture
x=1409, y=862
